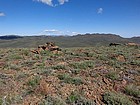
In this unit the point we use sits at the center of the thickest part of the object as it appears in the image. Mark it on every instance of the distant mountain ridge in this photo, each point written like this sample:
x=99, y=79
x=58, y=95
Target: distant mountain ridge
x=87, y=40
x=135, y=39
x=9, y=37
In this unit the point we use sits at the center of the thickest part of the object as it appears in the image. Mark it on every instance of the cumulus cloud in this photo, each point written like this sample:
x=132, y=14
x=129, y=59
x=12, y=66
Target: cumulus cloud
x=75, y=33
x=2, y=14
x=69, y=33
x=100, y=10
x=50, y=2
x=53, y=32
x=61, y=2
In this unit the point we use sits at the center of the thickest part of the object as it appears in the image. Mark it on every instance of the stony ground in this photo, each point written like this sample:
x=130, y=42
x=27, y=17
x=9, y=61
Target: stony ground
x=76, y=76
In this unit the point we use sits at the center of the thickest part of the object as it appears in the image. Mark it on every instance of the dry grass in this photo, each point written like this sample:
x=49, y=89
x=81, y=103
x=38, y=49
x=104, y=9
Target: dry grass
x=76, y=76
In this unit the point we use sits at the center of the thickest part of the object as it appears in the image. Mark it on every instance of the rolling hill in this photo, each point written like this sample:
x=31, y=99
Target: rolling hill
x=87, y=40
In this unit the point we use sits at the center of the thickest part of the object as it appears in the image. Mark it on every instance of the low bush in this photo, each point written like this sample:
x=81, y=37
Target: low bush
x=67, y=79
x=111, y=98
x=82, y=65
x=49, y=100
x=77, y=99
x=132, y=91
x=112, y=75
x=58, y=67
x=34, y=81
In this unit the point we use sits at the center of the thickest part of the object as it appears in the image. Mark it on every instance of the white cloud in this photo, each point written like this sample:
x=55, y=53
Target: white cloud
x=69, y=33
x=50, y=2
x=61, y=2
x=100, y=10
x=2, y=14
x=75, y=33
x=53, y=32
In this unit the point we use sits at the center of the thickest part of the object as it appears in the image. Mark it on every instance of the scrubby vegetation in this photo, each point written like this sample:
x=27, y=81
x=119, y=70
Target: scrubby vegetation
x=76, y=76
x=111, y=98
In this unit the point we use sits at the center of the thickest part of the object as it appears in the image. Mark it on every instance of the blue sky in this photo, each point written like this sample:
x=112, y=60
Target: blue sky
x=47, y=17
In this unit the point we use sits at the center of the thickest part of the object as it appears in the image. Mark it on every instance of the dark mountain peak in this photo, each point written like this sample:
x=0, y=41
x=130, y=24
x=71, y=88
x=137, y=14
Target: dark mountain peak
x=9, y=37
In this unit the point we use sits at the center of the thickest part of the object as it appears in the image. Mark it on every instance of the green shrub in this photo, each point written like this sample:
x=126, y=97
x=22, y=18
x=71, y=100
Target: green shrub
x=44, y=52
x=48, y=53
x=115, y=63
x=63, y=76
x=21, y=75
x=75, y=71
x=34, y=81
x=13, y=66
x=41, y=65
x=103, y=57
x=112, y=75
x=73, y=98
x=111, y=98
x=83, y=65
x=135, y=62
x=45, y=72
x=77, y=99
x=25, y=52
x=132, y=90
x=11, y=99
x=58, y=67
x=1, y=101
x=49, y=100
x=28, y=63
x=67, y=79
x=15, y=56
x=28, y=91
x=77, y=81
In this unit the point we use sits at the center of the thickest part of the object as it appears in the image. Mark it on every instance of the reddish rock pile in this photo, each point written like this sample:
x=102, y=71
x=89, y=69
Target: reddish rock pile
x=49, y=46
